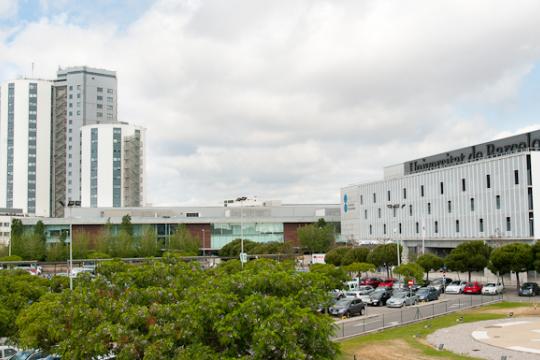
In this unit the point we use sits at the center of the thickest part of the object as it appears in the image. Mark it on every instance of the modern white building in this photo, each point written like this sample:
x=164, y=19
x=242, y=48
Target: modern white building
x=487, y=192
x=25, y=145
x=82, y=96
x=112, y=165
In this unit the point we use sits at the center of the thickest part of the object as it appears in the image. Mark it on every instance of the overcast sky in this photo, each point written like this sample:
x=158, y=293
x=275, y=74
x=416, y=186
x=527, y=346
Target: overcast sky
x=290, y=99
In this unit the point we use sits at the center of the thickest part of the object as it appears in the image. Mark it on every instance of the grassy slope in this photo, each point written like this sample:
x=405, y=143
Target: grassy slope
x=415, y=334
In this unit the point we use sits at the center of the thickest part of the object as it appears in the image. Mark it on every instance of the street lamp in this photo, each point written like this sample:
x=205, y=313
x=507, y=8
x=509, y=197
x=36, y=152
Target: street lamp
x=70, y=204
x=240, y=200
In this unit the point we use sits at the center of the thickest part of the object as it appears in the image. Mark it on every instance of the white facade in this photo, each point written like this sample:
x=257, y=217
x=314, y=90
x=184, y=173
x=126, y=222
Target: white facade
x=112, y=165
x=495, y=198
x=25, y=143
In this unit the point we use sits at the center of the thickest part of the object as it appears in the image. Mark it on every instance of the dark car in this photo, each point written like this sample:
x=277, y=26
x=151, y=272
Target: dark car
x=371, y=281
x=427, y=294
x=380, y=296
x=529, y=289
x=440, y=284
x=347, y=307
x=28, y=355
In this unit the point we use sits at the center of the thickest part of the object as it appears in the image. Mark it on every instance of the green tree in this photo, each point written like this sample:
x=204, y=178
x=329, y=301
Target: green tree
x=468, y=257
x=39, y=231
x=148, y=245
x=81, y=245
x=356, y=255
x=385, y=255
x=126, y=225
x=536, y=255
x=337, y=275
x=184, y=242
x=515, y=257
x=335, y=256
x=317, y=238
x=232, y=249
x=430, y=262
x=410, y=271
x=359, y=268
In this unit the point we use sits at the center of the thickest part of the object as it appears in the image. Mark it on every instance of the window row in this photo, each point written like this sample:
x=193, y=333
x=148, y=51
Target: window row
x=399, y=228
x=441, y=188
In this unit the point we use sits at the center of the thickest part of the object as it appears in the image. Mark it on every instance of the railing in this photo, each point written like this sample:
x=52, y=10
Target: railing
x=408, y=315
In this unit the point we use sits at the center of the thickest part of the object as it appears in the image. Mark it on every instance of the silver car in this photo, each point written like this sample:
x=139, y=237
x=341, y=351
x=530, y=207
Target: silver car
x=402, y=298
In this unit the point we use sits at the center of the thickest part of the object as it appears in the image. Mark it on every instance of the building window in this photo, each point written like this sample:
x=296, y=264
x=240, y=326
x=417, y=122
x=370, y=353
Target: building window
x=498, y=201
x=404, y=193
x=436, y=227
x=388, y=195
x=379, y=211
x=365, y=214
x=429, y=208
x=410, y=210
x=463, y=187
x=449, y=206
x=374, y=198
x=99, y=114
x=472, y=204
x=422, y=190
x=457, y=226
x=99, y=106
x=488, y=181
x=384, y=229
x=361, y=200
x=109, y=91
x=400, y=228
x=442, y=188
x=394, y=211
x=481, y=223
x=99, y=97
x=370, y=229
x=417, y=227
x=508, y=224
x=516, y=177
x=99, y=89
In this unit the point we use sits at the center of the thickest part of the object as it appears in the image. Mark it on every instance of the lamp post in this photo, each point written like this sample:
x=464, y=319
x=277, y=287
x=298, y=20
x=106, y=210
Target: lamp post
x=70, y=205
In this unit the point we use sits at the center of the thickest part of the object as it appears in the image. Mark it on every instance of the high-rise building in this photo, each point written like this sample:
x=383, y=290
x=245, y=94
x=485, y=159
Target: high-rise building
x=25, y=146
x=112, y=162
x=81, y=96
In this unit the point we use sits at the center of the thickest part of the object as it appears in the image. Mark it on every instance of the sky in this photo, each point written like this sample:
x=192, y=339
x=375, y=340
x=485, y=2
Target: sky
x=290, y=99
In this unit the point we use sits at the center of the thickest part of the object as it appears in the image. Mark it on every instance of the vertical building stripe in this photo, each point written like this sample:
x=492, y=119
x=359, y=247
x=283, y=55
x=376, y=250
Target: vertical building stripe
x=117, y=168
x=11, y=120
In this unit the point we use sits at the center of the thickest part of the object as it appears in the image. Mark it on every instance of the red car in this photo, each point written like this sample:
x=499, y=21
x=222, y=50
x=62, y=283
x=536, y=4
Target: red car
x=473, y=288
x=388, y=283
x=372, y=281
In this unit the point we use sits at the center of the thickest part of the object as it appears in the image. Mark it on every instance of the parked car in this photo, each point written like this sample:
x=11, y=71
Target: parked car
x=492, y=289
x=7, y=352
x=380, y=296
x=427, y=294
x=337, y=294
x=347, y=307
x=440, y=284
x=351, y=285
x=473, y=288
x=371, y=281
x=455, y=287
x=389, y=283
x=529, y=289
x=32, y=269
x=51, y=357
x=402, y=298
x=28, y=355
x=357, y=294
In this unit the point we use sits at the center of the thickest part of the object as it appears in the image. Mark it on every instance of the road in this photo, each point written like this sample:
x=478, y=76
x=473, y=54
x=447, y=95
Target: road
x=380, y=317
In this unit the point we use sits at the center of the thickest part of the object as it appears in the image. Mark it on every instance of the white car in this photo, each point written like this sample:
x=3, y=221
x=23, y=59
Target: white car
x=455, y=287
x=492, y=289
x=32, y=269
x=7, y=352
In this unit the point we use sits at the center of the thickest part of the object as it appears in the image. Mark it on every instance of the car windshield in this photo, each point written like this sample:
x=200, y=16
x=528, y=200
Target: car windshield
x=455, y=283
x=400, y=295
x=342, y=303
x=490, y=285
x=350, y=294
x=527, y=285
x=422, y=291
x=364, y=288
x=21, y=355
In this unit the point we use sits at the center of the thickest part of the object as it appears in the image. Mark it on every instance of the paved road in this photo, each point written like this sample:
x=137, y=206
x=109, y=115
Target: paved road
x=379, y=317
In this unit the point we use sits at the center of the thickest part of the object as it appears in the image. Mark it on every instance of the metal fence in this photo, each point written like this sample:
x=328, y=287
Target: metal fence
x=373, y=321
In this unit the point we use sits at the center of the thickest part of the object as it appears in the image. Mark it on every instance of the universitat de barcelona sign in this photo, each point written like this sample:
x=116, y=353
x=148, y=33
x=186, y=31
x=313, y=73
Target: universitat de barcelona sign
x=509, y=145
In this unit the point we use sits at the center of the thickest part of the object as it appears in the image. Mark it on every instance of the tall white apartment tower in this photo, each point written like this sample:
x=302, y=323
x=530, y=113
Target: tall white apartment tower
x=112, y=165
x=25, y=145
x=81, y=96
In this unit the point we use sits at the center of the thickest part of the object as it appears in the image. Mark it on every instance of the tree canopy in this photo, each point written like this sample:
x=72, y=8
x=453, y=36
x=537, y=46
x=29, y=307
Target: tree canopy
x=430, y=262
x=468, y=257
x=410, y=271
x=356, y=255
x=516, y=257
x=317, y=238
x=335, y=256
x=384, y=255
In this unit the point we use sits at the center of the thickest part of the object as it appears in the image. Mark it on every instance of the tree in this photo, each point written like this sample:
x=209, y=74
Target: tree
x=430, y=262
x=356, y=255
x=410, y=271
x=517, y=257
x=385, y=255
x=184, y=241
x=317, y=238
x=126, y=225
x=148, y=245
x=39, y=231
x=335, y=256
x=536, y=255
x=468, y=257
x=232, y=249
x=336, y=274
x=359, y=268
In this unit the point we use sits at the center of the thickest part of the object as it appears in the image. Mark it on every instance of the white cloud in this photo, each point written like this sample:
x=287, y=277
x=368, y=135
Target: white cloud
x=8, y=8
x=293, y=99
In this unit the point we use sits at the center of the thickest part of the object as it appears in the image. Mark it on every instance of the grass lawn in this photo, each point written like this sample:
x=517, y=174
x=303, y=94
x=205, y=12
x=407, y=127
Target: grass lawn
x=411, y=339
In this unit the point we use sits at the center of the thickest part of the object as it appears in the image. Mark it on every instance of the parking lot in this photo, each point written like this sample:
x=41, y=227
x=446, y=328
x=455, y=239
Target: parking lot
x=379, y=317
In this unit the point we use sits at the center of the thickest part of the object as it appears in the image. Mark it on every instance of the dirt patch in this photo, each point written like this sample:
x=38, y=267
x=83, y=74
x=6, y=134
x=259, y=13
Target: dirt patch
x=521, y=311
x=390, y=350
